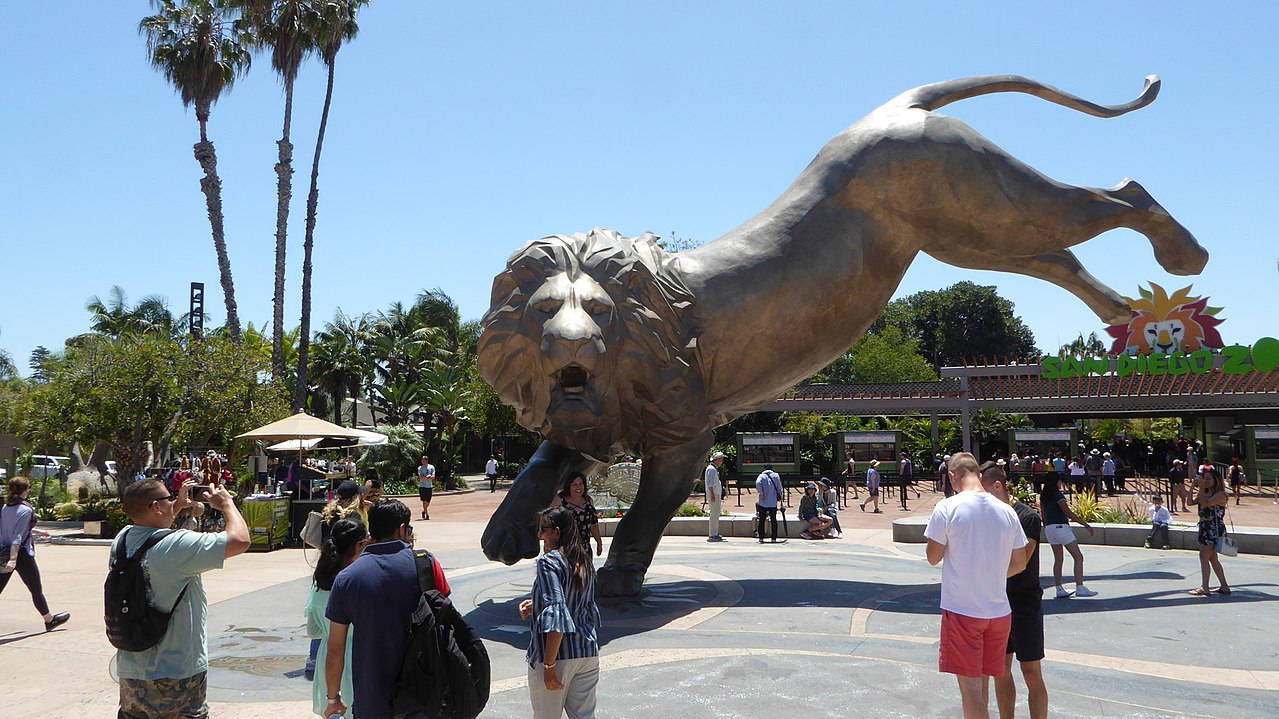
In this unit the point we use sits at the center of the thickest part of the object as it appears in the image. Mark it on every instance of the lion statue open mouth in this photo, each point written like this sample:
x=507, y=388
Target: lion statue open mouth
x=607, y=345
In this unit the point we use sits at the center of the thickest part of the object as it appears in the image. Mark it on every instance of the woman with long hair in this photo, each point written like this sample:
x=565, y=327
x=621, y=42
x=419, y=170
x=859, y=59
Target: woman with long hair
x=1057, y=516
x=1212, y=499
x=18, y=554
x=349, y=500
x=574, y=497
x=346, y=540
x=563, y=652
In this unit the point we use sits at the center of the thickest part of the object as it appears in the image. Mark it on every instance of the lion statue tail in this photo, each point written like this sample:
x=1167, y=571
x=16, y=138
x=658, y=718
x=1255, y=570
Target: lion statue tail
x=939, y=94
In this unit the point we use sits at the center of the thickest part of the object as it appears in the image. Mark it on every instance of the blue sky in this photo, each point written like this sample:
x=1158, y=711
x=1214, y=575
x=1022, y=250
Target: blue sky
x=460, y=131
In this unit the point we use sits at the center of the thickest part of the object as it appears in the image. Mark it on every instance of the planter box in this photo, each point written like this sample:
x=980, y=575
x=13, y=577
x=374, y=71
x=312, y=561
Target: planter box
x=93, y=528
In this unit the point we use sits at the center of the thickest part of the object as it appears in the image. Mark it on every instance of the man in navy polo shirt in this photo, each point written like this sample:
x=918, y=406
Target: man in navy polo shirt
x=377, y=594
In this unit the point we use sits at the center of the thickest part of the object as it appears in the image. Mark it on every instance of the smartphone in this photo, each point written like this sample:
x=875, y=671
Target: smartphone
x=198, y=492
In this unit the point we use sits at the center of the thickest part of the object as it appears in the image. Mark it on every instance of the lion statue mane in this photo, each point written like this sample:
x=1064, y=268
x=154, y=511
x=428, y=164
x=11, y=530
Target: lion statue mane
x=645, y=331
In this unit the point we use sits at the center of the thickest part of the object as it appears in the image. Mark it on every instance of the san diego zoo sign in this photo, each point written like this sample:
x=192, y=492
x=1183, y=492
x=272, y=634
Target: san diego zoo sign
x=1168, y=335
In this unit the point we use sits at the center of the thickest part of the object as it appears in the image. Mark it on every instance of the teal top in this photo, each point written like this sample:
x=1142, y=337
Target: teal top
x=176, y=562
x=317, y=627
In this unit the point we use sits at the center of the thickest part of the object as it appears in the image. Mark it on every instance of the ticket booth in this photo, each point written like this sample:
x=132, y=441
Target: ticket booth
x=1261, y=453
x=865, y=446
x=1043, y=443
x=780, y=449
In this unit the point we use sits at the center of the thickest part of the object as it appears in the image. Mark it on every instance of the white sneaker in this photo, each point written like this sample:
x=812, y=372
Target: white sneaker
x=1062, y=593
x=1082, y=591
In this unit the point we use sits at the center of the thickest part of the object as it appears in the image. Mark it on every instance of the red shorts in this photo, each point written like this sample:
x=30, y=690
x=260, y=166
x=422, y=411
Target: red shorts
x=973, y=647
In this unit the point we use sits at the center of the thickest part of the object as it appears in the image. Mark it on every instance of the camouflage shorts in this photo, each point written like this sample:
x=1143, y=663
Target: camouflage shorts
x=164, y=698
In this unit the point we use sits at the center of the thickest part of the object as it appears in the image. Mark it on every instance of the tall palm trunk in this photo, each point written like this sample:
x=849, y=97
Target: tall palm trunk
x=312, y=199
x=212, y=188
x=284, y=194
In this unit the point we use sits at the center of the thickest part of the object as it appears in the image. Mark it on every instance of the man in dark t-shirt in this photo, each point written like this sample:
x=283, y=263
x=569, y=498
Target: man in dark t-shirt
x=376, y=595
x=1025, y=596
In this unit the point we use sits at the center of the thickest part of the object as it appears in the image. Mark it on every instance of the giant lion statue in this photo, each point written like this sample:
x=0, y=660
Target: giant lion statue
x=607, y=345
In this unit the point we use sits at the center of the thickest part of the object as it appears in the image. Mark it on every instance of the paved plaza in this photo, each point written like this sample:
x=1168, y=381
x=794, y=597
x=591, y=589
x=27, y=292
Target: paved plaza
x=834, y=628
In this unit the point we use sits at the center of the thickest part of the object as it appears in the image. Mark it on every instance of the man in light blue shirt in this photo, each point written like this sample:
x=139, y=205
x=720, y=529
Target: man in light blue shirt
x=769, y=487
x=169, y=679
x=1059, y=465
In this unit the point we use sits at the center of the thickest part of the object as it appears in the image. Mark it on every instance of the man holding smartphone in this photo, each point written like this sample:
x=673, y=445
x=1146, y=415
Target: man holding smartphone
x=170, y=678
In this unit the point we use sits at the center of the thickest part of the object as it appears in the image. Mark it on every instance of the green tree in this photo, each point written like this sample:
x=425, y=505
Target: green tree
x=196, y=47
x=397, y=460
x=287, y=28
x=339, y=365
x=40, y=363
x=991, y=429
x=148, y=388
x=8, y=370
x=335, y=26
x=962, y=323
x=115, y=317
x=1083, y=346
x=888, y=355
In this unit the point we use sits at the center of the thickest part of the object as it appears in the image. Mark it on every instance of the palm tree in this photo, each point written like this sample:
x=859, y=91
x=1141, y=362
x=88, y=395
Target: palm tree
x=115, y=318
x=335, y=26
x=338, y=364
x=286, y=27
x=197, y=49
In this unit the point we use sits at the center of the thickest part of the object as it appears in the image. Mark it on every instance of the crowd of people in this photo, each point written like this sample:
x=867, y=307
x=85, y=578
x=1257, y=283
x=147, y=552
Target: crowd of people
x=369, y=581
x=988, y=545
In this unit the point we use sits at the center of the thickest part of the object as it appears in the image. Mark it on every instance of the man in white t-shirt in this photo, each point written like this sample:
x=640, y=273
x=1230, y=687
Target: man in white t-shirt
x=982, y=543
x=490, y=471
x=714, y=495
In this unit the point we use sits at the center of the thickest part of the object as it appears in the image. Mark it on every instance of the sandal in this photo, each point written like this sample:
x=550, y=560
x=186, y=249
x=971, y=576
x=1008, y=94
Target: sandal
x=1223, y=590
x=1198, y=592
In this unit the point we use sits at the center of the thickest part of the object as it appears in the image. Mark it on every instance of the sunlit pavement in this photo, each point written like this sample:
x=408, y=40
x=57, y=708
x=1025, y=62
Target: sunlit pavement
x=739, y=629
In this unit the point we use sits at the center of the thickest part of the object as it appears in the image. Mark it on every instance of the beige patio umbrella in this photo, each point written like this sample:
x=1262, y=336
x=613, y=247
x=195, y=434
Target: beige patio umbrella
x=301, y=426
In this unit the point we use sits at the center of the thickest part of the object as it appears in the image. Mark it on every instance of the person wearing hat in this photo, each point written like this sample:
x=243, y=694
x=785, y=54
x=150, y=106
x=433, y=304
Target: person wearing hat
x=828, y=504
x=1092, y=468
x=348, y=500
x=714, y=495
x=1108, y=473
x=872, y=486
x=817, y=522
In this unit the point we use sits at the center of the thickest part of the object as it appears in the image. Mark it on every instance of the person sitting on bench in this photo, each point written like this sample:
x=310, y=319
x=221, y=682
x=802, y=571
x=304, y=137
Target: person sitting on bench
x=817, y=523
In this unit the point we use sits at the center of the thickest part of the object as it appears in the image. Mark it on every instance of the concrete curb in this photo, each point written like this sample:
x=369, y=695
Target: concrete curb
x=1252, y=540
x=735, y=525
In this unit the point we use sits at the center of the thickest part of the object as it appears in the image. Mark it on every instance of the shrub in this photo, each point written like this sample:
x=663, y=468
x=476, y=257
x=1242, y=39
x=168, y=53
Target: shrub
x=68, y=512
x=688, y=509
x=1086, y=507
x=1024, y=493
x=115, y=519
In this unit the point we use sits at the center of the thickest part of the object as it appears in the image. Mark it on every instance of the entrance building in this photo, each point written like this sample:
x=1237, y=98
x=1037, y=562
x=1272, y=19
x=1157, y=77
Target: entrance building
x=1232, y=408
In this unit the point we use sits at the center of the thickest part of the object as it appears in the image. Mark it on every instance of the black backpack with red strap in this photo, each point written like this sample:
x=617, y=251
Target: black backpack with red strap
x=445, y=672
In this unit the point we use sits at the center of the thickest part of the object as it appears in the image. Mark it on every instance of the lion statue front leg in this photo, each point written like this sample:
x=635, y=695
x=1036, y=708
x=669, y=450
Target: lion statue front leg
x=665, y=482
x=511, y=534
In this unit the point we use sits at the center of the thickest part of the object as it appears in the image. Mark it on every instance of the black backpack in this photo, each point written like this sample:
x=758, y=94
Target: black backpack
x=445, y=672
x=132, y=623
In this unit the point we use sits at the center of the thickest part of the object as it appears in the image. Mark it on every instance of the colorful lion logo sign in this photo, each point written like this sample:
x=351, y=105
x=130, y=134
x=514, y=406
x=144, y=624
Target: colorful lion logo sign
x=1163, y=324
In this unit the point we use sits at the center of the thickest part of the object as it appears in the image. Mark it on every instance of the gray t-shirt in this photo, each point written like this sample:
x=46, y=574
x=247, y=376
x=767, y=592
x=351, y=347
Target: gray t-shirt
x=426, y=475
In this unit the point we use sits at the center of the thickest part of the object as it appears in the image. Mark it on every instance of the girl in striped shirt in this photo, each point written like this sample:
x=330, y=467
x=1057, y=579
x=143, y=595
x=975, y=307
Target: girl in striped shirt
x=563, y=652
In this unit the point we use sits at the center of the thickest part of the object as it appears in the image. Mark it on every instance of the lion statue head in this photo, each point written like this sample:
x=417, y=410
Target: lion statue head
x=593, y=339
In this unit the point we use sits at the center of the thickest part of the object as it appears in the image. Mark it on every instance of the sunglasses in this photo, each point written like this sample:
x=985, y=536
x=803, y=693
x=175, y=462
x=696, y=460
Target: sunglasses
x=169, y=498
